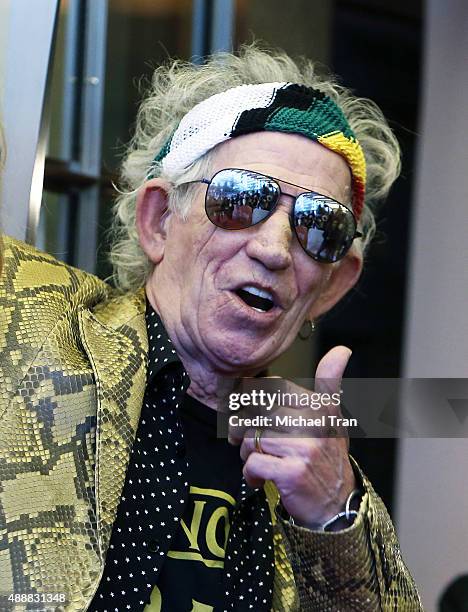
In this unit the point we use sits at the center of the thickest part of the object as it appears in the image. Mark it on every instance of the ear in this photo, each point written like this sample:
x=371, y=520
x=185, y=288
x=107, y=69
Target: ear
x=151, y=218
x=344, y=275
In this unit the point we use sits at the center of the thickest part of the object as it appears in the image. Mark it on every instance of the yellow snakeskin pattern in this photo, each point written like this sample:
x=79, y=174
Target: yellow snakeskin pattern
x=360, y=568
x=72, y=378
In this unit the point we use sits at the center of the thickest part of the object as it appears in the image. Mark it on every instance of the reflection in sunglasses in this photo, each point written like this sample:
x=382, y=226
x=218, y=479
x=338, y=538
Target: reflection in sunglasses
x=238, y=199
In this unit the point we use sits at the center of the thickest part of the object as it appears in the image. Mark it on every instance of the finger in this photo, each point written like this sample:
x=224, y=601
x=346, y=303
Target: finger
x=235, y=435
x=278, y=444
x=255, y=417
x=330, y=370
x=259, y=468
x=243, y=420
x=239, y=422
x=275, y=419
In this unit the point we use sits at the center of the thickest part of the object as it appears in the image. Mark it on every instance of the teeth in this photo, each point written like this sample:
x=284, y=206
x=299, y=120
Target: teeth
x=260, y=292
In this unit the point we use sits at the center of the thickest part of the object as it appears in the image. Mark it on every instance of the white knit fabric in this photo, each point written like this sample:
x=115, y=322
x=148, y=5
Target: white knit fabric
x=212, y=121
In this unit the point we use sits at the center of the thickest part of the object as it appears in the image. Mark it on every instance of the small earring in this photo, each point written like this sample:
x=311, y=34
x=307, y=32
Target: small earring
x=305, y=335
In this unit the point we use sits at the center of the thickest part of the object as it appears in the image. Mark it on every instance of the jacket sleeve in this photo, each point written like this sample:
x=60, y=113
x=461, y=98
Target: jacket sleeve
x=359, y=568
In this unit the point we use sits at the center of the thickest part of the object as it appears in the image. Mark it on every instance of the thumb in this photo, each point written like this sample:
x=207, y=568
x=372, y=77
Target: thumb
x=330, y=369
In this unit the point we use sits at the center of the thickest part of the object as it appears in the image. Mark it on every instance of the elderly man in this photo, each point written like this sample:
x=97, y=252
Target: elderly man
x=116, y=492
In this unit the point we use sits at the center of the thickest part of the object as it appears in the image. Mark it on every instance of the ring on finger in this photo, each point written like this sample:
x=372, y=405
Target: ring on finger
x=257, y=441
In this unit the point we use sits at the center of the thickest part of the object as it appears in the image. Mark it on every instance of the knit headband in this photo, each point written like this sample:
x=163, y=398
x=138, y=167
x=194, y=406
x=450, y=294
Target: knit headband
x=275, y=107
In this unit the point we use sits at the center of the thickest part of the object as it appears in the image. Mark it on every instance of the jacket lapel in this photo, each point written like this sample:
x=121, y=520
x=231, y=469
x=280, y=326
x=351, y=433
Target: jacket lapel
x=115, y=339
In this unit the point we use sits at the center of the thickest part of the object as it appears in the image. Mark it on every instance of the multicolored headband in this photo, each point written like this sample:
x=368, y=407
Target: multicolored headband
x=276, y=107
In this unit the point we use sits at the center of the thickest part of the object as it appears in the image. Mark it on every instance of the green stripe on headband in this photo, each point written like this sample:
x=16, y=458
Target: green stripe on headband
x=282, y=107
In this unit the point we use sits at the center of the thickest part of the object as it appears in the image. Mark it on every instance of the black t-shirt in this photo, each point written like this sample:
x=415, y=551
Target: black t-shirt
x=192, y=573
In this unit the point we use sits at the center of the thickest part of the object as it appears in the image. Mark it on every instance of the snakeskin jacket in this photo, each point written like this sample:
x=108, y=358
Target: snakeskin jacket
x=72, y=377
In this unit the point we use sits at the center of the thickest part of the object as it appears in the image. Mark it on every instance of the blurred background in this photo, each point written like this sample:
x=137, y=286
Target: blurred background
x=72, y=74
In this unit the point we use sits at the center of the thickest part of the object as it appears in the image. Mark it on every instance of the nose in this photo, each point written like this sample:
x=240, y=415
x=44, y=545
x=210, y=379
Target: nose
x=270, y=241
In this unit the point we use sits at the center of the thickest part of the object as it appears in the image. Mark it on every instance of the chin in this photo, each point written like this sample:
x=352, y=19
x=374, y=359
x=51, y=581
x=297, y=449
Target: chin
x=237, y=353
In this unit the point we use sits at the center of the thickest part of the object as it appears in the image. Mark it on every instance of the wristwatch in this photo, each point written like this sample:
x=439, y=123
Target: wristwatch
x=344, y=519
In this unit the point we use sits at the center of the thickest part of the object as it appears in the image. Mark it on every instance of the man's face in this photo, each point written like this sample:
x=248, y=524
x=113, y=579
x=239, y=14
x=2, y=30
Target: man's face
x=195, y=285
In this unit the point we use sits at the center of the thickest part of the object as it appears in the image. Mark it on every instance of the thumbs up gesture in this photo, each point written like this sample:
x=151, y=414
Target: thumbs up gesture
x=313, y=473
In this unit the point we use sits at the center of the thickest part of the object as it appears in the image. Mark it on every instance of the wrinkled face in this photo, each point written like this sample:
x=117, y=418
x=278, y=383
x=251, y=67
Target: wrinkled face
x=201, y=284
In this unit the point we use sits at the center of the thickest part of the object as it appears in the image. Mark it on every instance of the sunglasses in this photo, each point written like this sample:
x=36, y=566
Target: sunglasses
x=237, y=199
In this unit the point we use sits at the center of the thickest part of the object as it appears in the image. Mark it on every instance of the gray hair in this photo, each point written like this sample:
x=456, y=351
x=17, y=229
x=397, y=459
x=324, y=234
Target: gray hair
x=177, y=87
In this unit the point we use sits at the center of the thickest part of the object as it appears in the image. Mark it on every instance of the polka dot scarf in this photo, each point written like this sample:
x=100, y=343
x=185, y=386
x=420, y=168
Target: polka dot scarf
x=154, y=498
x=249, y=566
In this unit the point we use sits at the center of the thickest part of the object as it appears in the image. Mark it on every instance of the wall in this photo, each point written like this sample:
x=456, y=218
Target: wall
x=432, y=492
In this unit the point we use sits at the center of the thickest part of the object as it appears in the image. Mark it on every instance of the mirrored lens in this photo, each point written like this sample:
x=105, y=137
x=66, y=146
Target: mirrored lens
x=236, y=199
x=325, y=228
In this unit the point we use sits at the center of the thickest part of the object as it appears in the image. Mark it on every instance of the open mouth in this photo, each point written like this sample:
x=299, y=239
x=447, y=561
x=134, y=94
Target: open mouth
x=258, y=299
